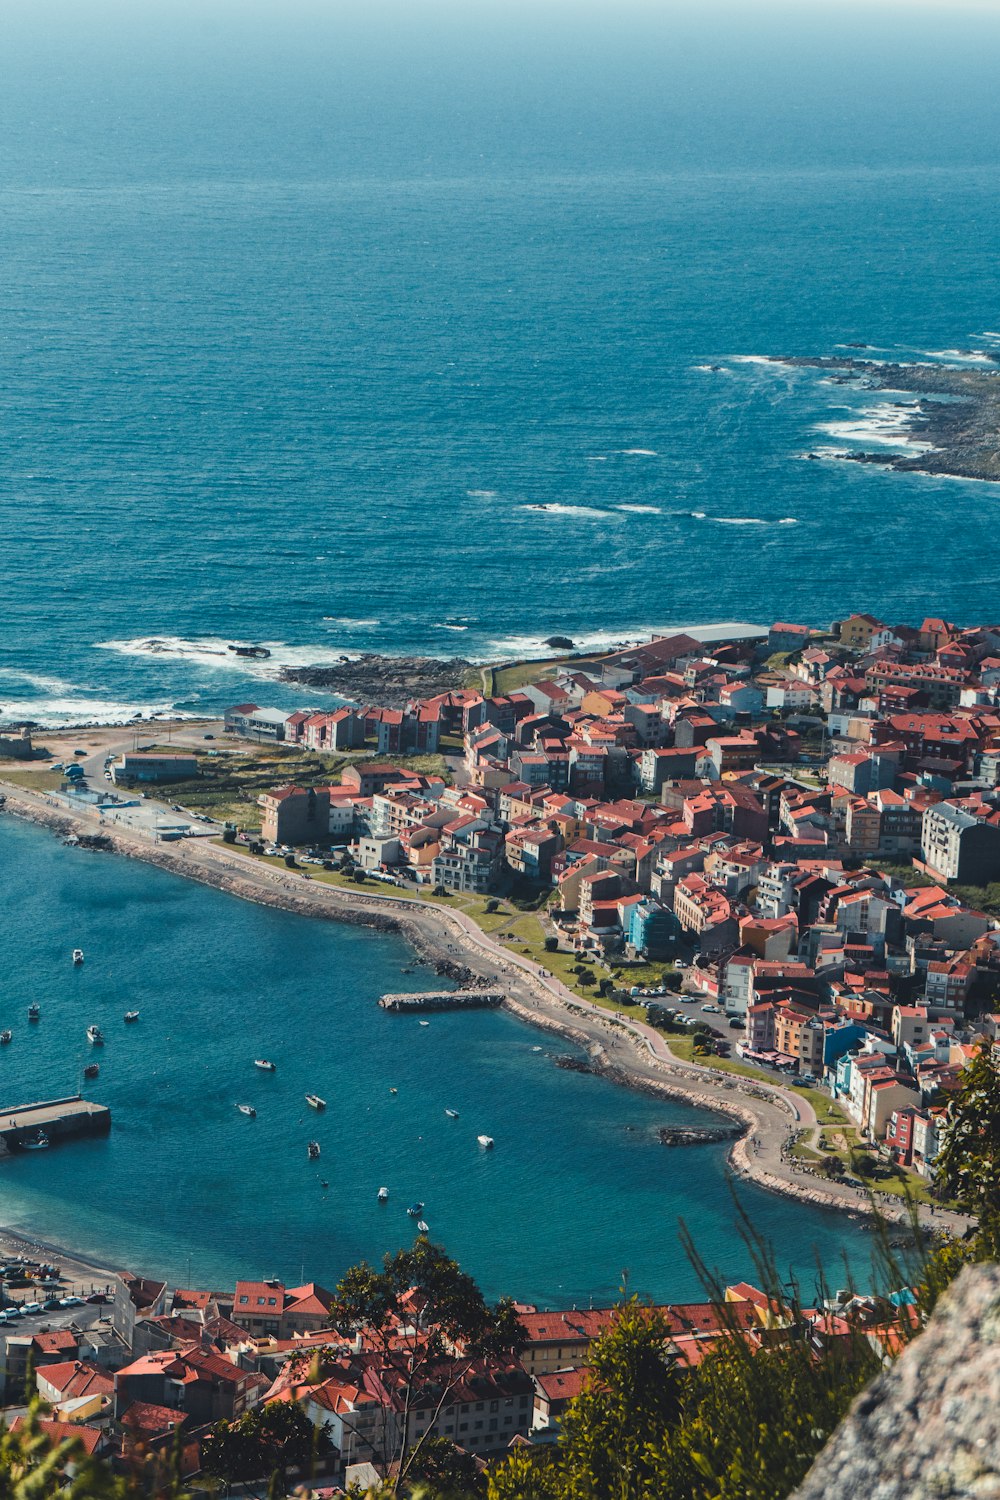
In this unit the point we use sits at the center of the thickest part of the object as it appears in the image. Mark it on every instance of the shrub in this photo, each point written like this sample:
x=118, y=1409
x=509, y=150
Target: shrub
x=552, y=945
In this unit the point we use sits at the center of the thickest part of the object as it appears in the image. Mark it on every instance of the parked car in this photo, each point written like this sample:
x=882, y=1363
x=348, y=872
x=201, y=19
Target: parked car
x=31, y=1307
x=735, y=1023
x=98, y=1297
x=51, y=1303
x=71, y=1301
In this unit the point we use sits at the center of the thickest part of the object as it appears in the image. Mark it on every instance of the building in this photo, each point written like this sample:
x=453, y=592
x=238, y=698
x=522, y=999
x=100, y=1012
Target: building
x=960, y=845
x=251, y=722
x=293, y=815
x=146, y=766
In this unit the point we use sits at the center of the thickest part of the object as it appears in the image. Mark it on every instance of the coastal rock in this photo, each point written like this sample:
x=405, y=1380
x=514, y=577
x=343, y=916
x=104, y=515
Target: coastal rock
x=698, y=1135
x=389, y=680
x=559, y=643
x=929, y=1428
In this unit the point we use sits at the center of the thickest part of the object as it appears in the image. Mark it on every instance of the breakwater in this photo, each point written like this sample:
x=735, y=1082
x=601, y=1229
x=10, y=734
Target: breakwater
x=444, y=1000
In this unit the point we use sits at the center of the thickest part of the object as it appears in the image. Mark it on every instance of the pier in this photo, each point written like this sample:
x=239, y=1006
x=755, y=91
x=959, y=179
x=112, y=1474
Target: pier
x=444, y=1000
x=59, y=1119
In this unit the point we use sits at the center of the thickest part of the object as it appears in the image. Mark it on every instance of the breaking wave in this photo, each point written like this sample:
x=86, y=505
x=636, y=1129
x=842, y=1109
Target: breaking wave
x=213, y=652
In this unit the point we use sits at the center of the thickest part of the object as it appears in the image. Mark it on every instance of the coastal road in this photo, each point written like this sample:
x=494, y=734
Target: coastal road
x=635, y=1051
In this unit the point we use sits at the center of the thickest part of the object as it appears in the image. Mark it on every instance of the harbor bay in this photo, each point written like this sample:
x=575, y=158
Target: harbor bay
x=577, y=1194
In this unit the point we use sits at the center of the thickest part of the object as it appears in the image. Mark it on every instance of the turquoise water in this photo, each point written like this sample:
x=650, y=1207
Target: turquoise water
x=303, y=306
x=184, y=1185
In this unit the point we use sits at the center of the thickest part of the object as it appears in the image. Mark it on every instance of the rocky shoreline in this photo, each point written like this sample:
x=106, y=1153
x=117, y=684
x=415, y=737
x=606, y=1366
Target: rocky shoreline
x=958, y=414
x=389, y=680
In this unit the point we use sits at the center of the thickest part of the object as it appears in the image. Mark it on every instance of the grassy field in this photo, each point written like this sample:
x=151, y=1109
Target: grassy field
x=34, y=779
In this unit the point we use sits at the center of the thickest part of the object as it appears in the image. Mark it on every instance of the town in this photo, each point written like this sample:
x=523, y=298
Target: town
x=803, y=827
x=143, y=1373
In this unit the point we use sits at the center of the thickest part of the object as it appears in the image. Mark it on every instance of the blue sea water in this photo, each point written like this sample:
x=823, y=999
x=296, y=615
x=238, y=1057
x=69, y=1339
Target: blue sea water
x=566, y=1204
x=306, y=309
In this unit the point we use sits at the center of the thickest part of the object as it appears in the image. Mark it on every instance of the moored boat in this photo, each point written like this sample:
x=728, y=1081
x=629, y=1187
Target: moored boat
x=95, y=1035
x=422, y=1227
x=415, y=1210
x=34, y=1012
x=315, y=1102
x=263, y=1064
x=486, y=1141
x=425, y=1023
x=452, y=1114
x=78, y=955
x=39, y=1142
x=91, y=1070
x=247, y=1109
x=5, y=1036
x=131, y=1015
x=313, y=1150
x=383, y=1195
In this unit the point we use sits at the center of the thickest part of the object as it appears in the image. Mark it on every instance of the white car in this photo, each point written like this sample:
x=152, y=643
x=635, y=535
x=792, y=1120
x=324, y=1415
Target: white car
x=31, y=1307
x=714, y=1009
x=71, y=1302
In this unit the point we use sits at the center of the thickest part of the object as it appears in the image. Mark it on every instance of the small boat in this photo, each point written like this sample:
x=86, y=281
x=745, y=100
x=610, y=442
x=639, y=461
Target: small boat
x=313, y=1149
x=415, y=1210
x=425, y=1023
x=394, y=1091
x=315, y=1102
x=78, y=955
x=91, y=1070
x=39, y=1142
x=323, y=1184
x=486, y=1141
x=34, y=1012
x=452, y=1114
x=95, y=1035
x=536, y=1049
x=131, y=1015
x=263, y=1064
x=383, y=1195
x=247, y=1109
x=422, y=1227
x=5, y=1037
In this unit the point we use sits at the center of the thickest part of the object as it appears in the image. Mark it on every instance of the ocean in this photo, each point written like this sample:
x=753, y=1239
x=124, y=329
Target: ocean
x=576, y=1199
x=345, y=328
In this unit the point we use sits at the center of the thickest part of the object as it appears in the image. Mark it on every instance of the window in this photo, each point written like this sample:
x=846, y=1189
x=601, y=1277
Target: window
x=494, y=1405
x=479, y=1406
x=463, y=1426
x=493, y=1424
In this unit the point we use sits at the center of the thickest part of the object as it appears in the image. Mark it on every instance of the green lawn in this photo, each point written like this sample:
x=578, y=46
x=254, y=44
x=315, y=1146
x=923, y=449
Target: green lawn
x=35, y=780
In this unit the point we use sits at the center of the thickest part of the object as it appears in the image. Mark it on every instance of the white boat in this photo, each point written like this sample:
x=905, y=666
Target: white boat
x=425, y=1023
x=34, y=1012
x=536, y=1049
x=40, y=1142
x=131, y=1015
x=383, y=1195
x=422, y=1226
x=394, y=1091
x=313, y=1149
x=78, y=955
x=95, y=1035
x=452, y=1114
x=5, y=1037
x=247, y=1109
x=262, y=1063
x=486, y=1141
x=315, y=1102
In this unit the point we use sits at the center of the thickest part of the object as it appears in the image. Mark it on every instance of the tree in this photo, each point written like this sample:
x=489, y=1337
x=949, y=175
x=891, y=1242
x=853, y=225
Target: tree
x=967, y=1168
x=832, y=1166
x=430, y=1325
x=608, y=1444
x=268, y=1440
x=34, y=1467
x=492, y=905
x=290, y=861
x=448, y=1470
x=552, y=945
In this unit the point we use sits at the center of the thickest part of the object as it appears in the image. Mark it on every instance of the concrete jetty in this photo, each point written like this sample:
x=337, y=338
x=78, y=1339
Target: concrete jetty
x=444, y=1000
x=59, y=1119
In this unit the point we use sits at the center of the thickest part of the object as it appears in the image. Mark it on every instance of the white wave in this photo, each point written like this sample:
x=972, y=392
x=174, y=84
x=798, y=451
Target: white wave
x=73, y=713
x=530, y=647
x=986, y=334
x=754, y=359
x=213, y=652
x=789, y=521
x=443, y=626
x=739, y=521
x=597, y=458
x=713, y=369
x=481, y=494
x=886, y=426
x=641, y=510
x=698, y=515
x=640, y=452
x=553, y=508
x=964, y=356
x=37, y=680
x=349, y=623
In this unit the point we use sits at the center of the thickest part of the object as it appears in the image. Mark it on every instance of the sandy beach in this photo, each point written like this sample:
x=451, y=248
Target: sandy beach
x=630, y=1052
